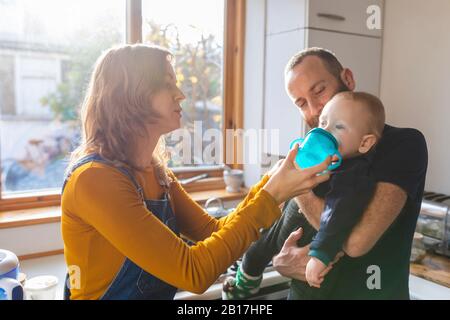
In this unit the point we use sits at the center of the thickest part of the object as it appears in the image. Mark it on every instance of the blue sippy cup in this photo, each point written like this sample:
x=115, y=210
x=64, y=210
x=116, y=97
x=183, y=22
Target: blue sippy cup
x=317, y=145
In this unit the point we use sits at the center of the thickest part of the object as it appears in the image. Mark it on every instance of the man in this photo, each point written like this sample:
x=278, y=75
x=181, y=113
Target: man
x=376, y=260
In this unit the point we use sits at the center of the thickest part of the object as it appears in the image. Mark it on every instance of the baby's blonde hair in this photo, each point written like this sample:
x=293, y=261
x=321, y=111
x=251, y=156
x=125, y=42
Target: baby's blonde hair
x=374, y=107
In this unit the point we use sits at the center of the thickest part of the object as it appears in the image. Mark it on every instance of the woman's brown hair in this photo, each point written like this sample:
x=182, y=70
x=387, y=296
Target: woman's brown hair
x=117, y=109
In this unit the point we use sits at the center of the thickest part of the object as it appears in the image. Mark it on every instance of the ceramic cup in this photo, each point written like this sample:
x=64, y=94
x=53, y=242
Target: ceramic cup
x=233, y=180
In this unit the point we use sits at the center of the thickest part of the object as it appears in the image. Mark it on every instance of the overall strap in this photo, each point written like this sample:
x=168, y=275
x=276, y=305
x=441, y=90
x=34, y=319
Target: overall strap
x=98, y=158
x=163, y=181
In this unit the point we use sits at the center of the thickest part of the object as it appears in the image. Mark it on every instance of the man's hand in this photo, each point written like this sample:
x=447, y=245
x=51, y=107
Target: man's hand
x=291, y=261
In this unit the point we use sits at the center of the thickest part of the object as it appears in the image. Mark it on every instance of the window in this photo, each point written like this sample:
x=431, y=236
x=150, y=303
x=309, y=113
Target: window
x=47, y=50
x=196, y=39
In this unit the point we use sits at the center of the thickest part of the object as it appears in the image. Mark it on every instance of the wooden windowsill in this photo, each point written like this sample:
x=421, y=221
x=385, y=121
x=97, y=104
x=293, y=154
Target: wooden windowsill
x=52, y=198
x=27, y=217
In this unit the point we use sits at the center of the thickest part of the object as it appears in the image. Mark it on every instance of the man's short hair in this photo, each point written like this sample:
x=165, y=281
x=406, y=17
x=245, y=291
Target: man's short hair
x=328, y=58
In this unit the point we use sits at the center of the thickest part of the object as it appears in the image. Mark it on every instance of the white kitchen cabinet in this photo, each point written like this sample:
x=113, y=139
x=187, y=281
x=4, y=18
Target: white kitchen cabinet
x=291, y=26
x=338, y=15
x=285, y=15
x=348, y=16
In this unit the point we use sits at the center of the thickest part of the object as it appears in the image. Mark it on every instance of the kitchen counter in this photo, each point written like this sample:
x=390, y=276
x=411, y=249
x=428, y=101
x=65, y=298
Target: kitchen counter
x=429, y=279
x=434, y=268
x=273, y=286
x=55, y=265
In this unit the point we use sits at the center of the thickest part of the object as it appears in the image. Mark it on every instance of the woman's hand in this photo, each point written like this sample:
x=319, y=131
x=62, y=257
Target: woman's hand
x=275, y=167
x=289, y=180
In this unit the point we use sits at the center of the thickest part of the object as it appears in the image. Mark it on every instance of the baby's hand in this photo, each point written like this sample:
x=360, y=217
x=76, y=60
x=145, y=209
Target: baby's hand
x=315, y=272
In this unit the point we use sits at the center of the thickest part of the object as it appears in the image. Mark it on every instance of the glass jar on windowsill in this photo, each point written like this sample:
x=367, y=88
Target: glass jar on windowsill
x=418, y=249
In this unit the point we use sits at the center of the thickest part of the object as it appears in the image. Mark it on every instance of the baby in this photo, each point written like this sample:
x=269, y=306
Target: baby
x=356, y=120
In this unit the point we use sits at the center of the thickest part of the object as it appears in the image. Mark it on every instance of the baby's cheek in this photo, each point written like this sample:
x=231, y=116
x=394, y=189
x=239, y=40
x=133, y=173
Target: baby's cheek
x=342, y=151
x=343, y=146
x=339, y=140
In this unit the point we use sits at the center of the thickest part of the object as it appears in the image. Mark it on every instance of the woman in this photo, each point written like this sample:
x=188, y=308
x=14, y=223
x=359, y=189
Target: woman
x=123, y=210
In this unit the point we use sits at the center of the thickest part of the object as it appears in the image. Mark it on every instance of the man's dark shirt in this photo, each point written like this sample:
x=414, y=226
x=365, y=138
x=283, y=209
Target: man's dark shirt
x=350, y=190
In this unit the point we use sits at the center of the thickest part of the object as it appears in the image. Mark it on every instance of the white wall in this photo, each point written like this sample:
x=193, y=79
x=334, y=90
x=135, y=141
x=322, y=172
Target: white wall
x=32, y=239
x=254, y=76
x=415, y=77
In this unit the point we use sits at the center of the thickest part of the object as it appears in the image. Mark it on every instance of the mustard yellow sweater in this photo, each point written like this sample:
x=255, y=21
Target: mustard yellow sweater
x=104, y=221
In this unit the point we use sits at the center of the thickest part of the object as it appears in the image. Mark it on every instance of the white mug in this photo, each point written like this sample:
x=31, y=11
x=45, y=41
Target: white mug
x=233, y=179
x=41, y=288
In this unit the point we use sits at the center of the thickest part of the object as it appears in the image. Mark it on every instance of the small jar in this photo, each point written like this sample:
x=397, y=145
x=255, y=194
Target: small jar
x=41, y=288
x=418, y=250
x=233, y=180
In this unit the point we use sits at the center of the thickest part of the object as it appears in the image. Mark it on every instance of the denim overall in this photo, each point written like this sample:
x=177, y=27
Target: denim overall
x=132, y=282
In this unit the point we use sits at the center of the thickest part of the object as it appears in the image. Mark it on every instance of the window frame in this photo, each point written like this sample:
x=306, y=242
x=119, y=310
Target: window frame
x=233, y=80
